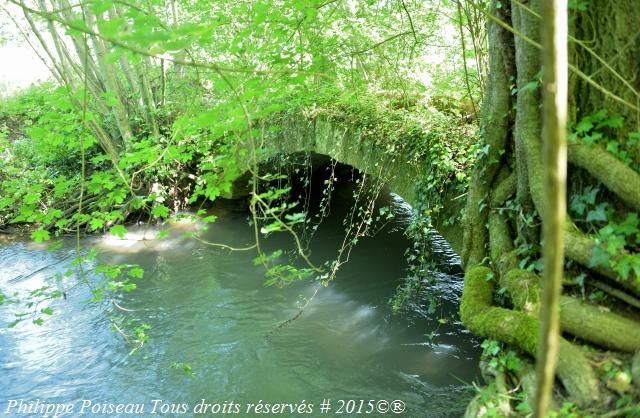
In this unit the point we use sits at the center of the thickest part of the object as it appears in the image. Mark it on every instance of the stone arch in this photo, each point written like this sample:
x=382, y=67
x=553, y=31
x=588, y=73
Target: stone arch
x=345, y=145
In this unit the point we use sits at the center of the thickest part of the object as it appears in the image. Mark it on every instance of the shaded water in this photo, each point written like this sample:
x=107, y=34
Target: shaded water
x=208, y=308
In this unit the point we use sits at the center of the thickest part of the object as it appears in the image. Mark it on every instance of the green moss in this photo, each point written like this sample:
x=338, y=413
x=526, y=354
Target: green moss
x=524, y=288
x=605, y=328
x=500, y=242
x=504, y=190
x=521, y=330
x=481, y=318
x=477, y=295
x=613, y=173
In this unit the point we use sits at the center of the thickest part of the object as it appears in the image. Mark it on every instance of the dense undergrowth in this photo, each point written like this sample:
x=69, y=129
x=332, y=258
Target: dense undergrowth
x=42, y=133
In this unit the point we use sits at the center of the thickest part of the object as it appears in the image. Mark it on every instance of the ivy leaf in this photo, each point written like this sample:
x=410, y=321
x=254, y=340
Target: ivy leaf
x=512, y=362
x=578, y=206
x=615, y=244
x=598, y=214
x=590, y=195
x=47, y=311
x=599, y=116
x=613, y=147
x=524, y=407
x=623, y=267
x=592, y=138
x=573, y=137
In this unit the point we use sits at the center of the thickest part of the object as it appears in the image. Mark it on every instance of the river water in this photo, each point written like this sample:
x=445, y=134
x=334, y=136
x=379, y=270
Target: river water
x=209, y=309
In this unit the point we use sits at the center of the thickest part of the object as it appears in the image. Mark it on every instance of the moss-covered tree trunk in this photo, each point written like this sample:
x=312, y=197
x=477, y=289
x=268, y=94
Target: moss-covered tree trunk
x=603, y=55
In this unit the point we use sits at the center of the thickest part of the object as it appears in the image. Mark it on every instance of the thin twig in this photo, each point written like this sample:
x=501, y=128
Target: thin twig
x=210, y=66
x=389, y=39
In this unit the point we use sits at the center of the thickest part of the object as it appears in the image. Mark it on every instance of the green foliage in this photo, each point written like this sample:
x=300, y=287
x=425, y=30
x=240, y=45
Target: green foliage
x=499, y=359
x=32, y=302
x=523, y=406
x=617, y=247
x=530, y=257
x=583, y=205
x=278, y=273
x=617, y=236
x=579, y=5
x=185, y=367
x=603, y=128
x=421, y=266
x=40, y=235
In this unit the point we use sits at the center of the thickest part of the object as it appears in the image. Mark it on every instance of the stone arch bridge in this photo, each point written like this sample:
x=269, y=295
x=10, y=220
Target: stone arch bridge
x=401, y=171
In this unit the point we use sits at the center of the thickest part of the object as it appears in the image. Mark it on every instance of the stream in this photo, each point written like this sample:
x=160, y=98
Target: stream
x=209, y=309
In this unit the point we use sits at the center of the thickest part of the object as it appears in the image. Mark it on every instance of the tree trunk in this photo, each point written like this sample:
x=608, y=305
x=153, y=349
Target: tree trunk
x=511, y=166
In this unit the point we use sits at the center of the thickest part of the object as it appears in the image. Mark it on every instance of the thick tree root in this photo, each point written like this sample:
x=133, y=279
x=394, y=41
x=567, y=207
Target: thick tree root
x=617, y=293
x=521, y=330
x=613, y=173
x=588, y=322
x=504, y=190
x=495, y=116
x=594, y=324
x=579, y=247
x=500, y=243
x=496, y=395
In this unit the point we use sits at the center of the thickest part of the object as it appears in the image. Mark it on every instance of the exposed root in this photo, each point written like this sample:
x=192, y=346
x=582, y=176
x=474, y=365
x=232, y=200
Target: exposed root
x=616, y=293
x=496, y=117
x=579, y=248
x=599, y=326
x=613, y=173
x=589, y=322
x=521, y=330
x=504, y=190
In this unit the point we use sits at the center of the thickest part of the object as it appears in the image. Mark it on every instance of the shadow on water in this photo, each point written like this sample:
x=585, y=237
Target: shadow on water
x=209, y=309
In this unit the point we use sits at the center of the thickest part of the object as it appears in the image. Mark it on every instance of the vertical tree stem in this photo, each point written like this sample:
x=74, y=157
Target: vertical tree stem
x=464, y=60
x=555, y=64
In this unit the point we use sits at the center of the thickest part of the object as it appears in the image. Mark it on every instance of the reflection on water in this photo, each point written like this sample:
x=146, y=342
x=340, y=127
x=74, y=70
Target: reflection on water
x=209, y=309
